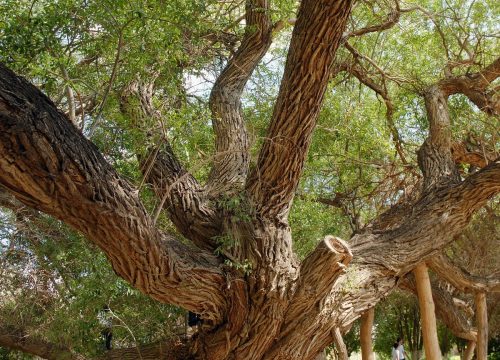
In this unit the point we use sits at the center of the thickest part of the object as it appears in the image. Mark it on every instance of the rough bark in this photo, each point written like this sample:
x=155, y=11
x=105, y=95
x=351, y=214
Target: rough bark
x=231, y=159
x=14, y=339
x=318, y=274
x=365, y=335
x=315, y=39
x=460, y=278
x=434, y=157
x=340, y=347
x=427, y=313
x=482, y=326
x=475, y=87
x=181, y=196
x=47, y=164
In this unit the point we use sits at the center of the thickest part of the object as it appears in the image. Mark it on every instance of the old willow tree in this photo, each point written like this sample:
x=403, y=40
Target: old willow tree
x=120, y=75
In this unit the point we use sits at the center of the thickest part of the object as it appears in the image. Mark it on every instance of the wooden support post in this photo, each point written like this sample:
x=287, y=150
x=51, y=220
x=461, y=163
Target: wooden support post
x=426, y=304
x=469, y=350
x=338, y=341
x=365, y=335
x=482, y=326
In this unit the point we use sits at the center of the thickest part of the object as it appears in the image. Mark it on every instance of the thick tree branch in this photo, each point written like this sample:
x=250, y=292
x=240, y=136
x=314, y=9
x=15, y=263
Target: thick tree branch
x=434, y=156
x=433, y=220
x=15, y=339
x=465, y=152
x=342, y=353
x=182, y=196
x=47, y=164
x=318, y=273
x=381, y=256
x=163, y=350
x=460, y=278
x=315, y=39
x=475, y=87
x=231, y=159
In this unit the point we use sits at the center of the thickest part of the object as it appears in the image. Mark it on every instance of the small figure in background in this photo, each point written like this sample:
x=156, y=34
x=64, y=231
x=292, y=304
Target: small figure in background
x=395, y=352
x=106, y=321
x=401, y=348
x=193, y=321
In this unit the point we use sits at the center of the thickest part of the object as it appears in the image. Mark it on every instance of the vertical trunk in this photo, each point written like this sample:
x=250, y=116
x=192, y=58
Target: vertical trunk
x=429, y=330
x=482, y=326
x=416, y=354
x=469, y=350
x=342, y=353
x=366, y=335
x=321, y=356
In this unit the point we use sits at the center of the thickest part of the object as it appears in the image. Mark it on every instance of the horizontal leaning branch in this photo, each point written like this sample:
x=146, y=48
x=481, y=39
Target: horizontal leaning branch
x=46, y=163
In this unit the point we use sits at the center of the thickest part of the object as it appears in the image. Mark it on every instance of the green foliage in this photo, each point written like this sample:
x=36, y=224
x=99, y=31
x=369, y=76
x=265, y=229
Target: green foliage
x=236, y=207
x=397, y=316
x=245, y=266
x=63, y=283
x=98, y=47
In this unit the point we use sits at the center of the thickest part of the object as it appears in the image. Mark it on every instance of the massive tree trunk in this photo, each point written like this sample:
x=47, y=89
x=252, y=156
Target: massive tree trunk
x=257, y=301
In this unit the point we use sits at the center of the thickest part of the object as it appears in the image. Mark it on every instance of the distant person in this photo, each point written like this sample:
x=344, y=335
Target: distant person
x=105, y=318
x=401, y=349
x=395, y=352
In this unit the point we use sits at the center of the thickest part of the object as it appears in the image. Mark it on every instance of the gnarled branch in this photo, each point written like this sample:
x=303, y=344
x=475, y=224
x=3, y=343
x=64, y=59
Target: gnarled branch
x=231, y=159
x=475, y=87
x=391, y=20
x=460, y=278
x=318, y=273
x=182, y=196
x=434, y=156
x=315, y=39
x=47, y=164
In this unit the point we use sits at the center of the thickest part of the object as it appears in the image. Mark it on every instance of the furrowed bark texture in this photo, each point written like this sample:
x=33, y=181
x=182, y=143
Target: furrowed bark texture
x=47, y=164
x=183, y=198
x=315, y=39
x=475, y=87
x=276, y=308
x=231, y=159
x=342, y=353
x=460, y=278
x=434, y=157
